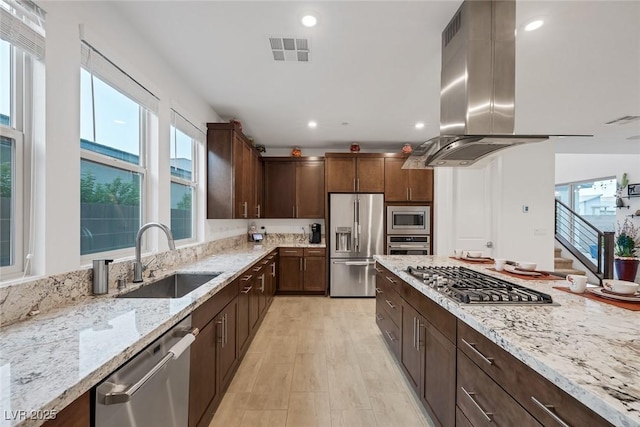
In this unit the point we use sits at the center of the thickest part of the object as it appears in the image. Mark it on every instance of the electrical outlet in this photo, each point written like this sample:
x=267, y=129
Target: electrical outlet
x=525, y=208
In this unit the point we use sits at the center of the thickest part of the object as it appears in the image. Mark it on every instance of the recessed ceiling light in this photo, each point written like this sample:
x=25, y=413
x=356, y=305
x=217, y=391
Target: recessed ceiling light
x=419, y=125
x=312, y=124
x=345, y=123
x=534, y=25
x=309, y=21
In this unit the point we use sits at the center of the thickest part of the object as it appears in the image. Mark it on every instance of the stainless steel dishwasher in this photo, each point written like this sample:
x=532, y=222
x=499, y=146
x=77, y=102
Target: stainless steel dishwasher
x=152, y=389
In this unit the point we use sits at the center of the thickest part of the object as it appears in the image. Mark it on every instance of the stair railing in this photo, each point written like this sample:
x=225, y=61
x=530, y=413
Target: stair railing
x=579, y=236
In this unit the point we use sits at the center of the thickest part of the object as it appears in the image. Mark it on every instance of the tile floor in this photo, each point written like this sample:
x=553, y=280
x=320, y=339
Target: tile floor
x=319, y=362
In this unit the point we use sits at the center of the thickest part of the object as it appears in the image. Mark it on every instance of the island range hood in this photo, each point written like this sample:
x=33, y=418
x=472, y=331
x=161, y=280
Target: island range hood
x=477, y=95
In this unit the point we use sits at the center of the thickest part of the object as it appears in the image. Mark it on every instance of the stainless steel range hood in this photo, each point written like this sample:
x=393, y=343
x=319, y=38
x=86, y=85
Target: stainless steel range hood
x=477, y=96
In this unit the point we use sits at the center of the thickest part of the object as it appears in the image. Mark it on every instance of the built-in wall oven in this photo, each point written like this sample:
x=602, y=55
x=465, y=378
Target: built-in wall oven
x=414, y=220
x=408, y=245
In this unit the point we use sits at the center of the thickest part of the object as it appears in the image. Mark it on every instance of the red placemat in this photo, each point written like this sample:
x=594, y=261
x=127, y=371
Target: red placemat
x=524, y=277
x=633, y=306
x=468, y=261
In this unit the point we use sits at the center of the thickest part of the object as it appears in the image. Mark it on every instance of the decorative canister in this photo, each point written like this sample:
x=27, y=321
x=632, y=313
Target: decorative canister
x=407, y=148
x=296, y=152
x=355, y=148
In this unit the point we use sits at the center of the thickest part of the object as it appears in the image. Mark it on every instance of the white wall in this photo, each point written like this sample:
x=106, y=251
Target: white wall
x=517, y=176
x=58, y=170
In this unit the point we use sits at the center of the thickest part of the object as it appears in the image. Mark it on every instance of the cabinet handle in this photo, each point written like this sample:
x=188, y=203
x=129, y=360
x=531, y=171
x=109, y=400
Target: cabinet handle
x=390, y=304
x=390, y=335
x=221, y=337
x=256, y=268
x=391, y=280
x=305, y=264
x=409, y=193
x=313, y=252
x=262, y=283
x=415, y=329
x=245, y=207
x=258, y=214
x=290, y=252
x=358, y=186
x=378, y=291
x=472, y=346
x=246, y=290
x=246, y=278
x=354, y=185
x=470, y=394
x=273, y=269
x=300, y=264
x=377, y=269
x=548, y=410
x=378, y=317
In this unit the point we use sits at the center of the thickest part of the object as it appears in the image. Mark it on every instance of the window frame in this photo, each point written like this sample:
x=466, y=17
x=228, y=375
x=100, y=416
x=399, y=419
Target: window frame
x=21, y=101
x=141, y=168
x=193, y=183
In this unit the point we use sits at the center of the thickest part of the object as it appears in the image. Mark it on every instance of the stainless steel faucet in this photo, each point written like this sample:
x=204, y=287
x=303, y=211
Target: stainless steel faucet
x=137, y=266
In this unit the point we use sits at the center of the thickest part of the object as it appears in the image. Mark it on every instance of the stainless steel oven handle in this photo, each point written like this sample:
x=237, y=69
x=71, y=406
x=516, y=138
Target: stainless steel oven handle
x=122, y=394
x=357, y=263
x=407, y=246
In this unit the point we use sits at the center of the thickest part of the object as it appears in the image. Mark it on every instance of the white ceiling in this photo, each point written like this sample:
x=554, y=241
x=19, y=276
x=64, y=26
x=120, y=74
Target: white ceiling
x=376, y=66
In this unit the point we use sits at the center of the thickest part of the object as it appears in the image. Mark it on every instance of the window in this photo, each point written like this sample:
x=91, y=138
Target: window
x=115, y=112
x=185, y=138
x=22, y=44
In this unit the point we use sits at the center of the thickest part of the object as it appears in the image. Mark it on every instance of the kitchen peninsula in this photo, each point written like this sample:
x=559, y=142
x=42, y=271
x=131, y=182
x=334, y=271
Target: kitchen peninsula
x=586, y=348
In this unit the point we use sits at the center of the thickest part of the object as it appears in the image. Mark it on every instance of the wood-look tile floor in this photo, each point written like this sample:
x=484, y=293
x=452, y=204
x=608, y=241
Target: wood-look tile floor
x=319, y=362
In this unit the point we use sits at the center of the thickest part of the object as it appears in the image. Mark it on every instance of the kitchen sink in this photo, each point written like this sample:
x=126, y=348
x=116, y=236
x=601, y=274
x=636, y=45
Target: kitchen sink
x=174, y=286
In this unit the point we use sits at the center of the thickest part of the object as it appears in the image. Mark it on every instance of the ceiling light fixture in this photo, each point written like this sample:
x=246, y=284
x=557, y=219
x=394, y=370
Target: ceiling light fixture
x=309, y=21
x=312, y=124
x=534, y=25
x=419, y=125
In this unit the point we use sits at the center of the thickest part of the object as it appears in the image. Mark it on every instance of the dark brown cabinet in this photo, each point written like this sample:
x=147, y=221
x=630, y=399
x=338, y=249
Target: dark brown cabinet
x=412, y=354
x=406, y=185
x=354, y=173
x=203, y=382
x=227, y=355
x=439, y=375
x=294, y=188
x=232, y=173
x=302, y=270
x=76, y=414
x=244, y=307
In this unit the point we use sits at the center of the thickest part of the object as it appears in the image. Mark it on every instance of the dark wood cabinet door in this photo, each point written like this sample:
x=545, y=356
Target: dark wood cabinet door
x=202, y=373
x=76, y=414
x=315, y=273
x=248, y=183
x=258, y=186
x=420, y=185
x=227, y=351
x=412, y=356
x=290, y=277
x=396, y=188
x=370, y=175
x=254, y=305
x=261, y=292
x=310, y=189
x=439, y=391
x=243, y=327
x=238, y=180
x=341, y=174
x=279, y=189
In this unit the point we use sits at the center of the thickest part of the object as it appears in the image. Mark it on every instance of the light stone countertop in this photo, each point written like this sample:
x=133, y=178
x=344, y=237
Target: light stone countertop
x=589, y=349
x=49, y=361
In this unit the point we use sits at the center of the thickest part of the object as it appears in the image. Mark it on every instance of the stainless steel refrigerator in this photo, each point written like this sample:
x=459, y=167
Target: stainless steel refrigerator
x=356, y=234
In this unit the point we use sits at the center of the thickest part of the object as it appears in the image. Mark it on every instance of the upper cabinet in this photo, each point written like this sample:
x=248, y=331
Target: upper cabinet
x=354, y=173
x=233, y=174
x=294, y=188
x=406, y=185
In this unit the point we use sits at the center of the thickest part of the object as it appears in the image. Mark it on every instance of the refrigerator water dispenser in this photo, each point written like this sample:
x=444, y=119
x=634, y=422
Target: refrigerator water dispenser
x=343, y=239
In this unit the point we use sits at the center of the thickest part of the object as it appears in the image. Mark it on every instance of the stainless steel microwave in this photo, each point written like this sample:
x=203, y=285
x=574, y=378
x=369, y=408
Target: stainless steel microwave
x=408, y=219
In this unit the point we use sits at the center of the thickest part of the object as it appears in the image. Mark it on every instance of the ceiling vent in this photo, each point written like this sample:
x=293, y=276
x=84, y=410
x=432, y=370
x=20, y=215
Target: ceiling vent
x=289, y=49
x=623, y=120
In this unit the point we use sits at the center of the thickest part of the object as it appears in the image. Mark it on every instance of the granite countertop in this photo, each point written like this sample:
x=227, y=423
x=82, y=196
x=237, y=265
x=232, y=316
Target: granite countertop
x=589, y=349
x=49, y=361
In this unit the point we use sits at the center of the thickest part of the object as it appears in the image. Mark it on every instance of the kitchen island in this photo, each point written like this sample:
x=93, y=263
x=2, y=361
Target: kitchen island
x=588, y=349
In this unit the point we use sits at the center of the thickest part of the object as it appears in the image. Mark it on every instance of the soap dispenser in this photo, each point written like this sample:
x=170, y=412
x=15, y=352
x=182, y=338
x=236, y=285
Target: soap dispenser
x=101, y=276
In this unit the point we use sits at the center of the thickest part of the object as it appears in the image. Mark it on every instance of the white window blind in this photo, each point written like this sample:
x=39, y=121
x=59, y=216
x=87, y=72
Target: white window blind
x=185, y=126
x=21, y=24
x=94, y=62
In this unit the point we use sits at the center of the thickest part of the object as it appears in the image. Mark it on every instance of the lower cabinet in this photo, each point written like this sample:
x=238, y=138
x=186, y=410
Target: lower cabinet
x=463, y=379
x=302, y=270
x=76, y=414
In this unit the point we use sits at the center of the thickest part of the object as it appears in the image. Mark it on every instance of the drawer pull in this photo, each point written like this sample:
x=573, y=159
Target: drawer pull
x=378, y=317
x=246, y=290
x=377, y=269
x=247, y=277
x=470, y=394
x=378, y=291
x=390, y=336
x=390, y=304
x=391, y=280
x=548, y=410
x=472, y=346
x=257, y=268
x=290, y=252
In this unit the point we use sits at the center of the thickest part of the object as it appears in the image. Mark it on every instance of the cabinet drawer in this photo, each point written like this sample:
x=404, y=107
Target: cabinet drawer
x=315, y=251
x=291, y=252
x=390, y=302
x=532, y=390
x=484, y=402
x=210, y=308
x=390, y=332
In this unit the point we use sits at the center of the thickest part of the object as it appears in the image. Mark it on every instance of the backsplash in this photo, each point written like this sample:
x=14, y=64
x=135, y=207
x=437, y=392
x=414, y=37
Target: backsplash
x=19, y=301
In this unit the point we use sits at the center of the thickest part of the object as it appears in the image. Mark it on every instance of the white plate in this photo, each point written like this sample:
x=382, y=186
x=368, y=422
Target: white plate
x=476, y=259
x=598, y=291
x=512, y=269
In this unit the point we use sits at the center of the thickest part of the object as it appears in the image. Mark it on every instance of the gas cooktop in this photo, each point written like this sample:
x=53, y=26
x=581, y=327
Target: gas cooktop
x=471, y=287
